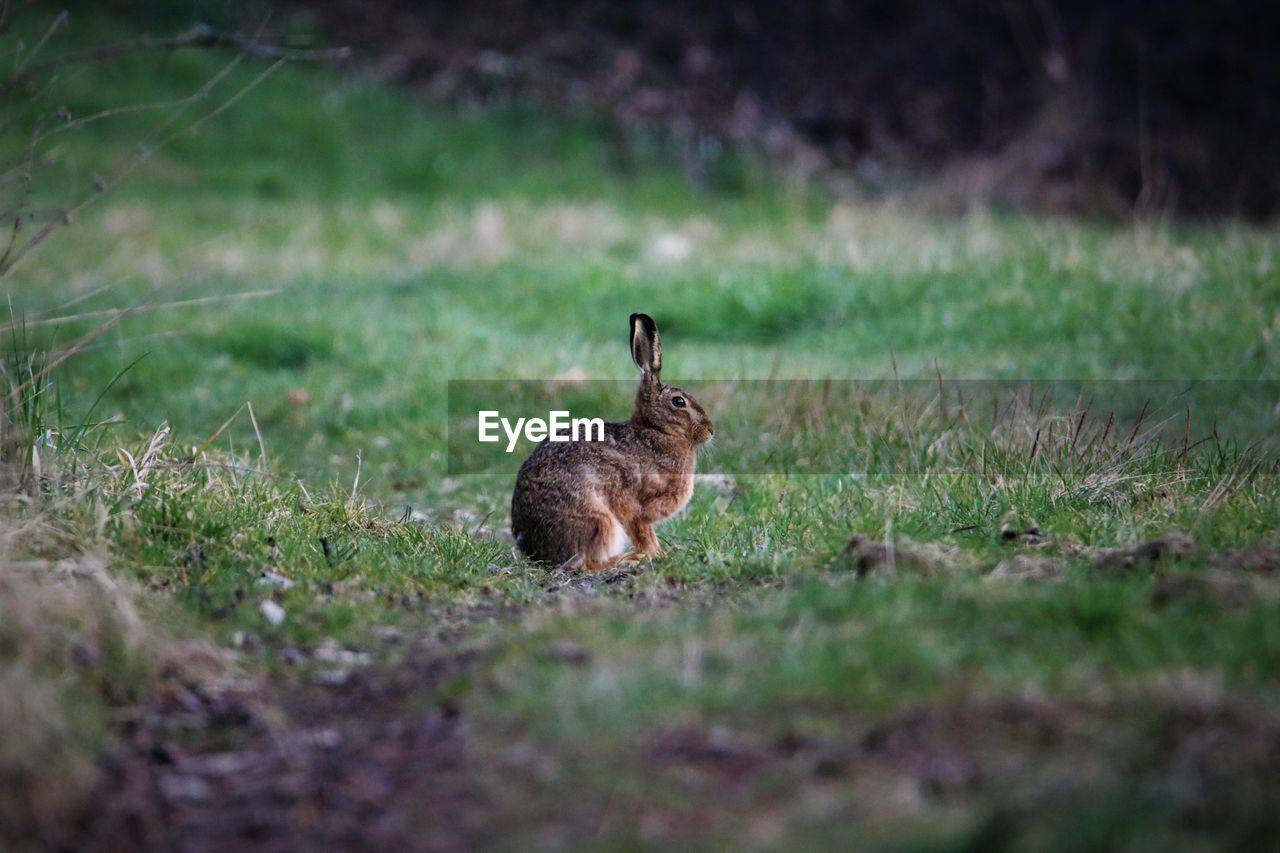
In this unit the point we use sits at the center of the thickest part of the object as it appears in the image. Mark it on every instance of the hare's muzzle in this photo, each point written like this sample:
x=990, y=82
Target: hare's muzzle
x=703, y=429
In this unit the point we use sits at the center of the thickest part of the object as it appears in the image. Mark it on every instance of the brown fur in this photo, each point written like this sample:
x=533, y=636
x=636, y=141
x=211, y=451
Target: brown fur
x=572, y=499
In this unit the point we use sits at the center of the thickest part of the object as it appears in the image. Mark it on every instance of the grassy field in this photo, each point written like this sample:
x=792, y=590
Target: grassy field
x=1051, y=633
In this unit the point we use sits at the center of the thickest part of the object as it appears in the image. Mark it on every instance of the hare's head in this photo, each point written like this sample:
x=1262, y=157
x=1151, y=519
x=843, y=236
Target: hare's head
x=665, y=408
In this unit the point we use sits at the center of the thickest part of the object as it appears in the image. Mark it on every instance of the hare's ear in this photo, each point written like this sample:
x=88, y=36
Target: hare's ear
x=646, y=348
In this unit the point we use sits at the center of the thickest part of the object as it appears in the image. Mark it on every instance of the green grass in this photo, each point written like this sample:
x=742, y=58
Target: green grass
x=410, y=246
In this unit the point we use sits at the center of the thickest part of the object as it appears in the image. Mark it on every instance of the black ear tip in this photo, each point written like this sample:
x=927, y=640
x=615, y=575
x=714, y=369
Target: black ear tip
x=645, y=321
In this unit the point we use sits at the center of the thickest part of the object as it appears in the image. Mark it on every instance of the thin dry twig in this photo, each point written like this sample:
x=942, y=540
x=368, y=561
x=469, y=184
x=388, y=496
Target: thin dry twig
x=84, y=340
x=201, y=35
x=262, y=444
x=143, y=154
x=140, y=309
x=58, y=22
x=116, y=343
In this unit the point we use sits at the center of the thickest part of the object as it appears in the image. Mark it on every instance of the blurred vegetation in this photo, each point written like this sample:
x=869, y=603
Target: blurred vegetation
x=1093, y=107
x=772, y=679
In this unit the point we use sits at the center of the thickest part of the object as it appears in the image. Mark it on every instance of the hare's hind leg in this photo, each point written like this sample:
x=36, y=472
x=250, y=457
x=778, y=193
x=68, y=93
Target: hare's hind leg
x=618, y=560
x=646, y=548
x=606, y=543
x=615, y=560
x=645, y=541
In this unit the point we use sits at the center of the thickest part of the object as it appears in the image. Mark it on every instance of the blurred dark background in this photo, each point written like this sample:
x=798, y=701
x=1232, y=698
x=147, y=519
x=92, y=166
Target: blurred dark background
x=1111, y=108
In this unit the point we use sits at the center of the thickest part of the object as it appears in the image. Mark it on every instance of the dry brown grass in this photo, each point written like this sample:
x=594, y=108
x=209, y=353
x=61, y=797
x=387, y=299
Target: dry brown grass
x=78, y=643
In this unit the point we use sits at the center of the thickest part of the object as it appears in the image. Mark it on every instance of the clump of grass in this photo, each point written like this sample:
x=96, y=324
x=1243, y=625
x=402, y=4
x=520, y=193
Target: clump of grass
x=73, y=644
x=267, y=348
x=81, y=640
x=27, y=411
x=77, y=641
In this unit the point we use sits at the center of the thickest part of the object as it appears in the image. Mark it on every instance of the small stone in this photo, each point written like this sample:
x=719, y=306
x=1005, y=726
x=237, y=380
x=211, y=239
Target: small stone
x=86, y=652
x=176, y=786
x=272, y=612
x=293, y=656
x=1028, y=567
x=1171, y=545
x=270, y=578
x=567, y=651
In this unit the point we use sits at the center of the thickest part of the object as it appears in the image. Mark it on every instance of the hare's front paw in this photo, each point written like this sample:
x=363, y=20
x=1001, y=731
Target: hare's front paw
x=645, y=556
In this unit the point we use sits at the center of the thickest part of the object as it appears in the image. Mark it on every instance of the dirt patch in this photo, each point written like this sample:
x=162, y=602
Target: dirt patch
x=873, y=558
x=378, y=762
x=1216, y=586
x=1261, y=561
x=385, y=761
x=1208, y=761
x=940, y=749
x=1172, y=545
x=1029, y=567
x=717, y=750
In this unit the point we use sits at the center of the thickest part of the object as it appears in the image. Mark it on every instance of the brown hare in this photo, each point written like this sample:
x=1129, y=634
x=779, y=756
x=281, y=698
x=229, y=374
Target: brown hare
x=577, y=503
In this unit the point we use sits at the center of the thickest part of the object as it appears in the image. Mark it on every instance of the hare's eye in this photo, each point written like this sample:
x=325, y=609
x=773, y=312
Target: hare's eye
x=678, y=401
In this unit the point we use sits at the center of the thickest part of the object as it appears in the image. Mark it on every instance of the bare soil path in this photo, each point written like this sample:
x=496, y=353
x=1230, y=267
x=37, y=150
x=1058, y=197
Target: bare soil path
x=372, y=763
